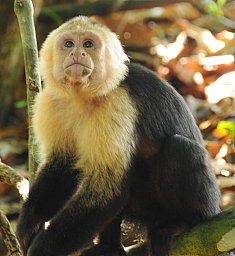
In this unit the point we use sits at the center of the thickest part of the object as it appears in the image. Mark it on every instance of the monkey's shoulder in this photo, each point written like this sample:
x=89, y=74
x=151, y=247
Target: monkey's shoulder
x=138, y=70
x=158, y=103
x=142, y=81
x=139, y=74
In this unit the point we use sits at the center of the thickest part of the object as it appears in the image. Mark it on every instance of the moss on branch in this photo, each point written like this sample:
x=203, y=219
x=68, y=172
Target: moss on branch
x=210, y=238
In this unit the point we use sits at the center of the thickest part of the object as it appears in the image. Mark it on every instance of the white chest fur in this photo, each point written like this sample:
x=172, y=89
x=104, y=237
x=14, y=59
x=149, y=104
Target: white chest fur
x=100, y=133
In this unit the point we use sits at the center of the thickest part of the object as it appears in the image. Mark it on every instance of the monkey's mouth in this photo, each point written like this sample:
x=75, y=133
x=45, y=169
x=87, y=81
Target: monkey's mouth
x=78, y=71
x=78, y=63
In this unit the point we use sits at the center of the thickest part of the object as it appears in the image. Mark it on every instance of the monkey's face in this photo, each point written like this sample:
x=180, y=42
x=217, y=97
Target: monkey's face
x=77, y=57
x=82, y=56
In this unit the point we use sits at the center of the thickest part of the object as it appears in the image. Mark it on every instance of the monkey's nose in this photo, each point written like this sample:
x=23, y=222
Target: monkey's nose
x=73, y=54
x=83, y=54
x=76, y=55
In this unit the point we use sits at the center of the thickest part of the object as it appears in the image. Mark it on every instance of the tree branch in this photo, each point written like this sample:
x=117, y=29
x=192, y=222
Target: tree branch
x=9, y=236
x=214, y=237
x=24, y=13
x=101, y=7
x=13, y=178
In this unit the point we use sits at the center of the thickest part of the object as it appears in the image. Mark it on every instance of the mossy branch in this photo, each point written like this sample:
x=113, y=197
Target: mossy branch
x=9, y=236
x=24, y=12
x=210, y=238
x=13, y=178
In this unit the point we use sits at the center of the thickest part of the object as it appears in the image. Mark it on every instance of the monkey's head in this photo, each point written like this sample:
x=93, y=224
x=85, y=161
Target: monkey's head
x=83, y=55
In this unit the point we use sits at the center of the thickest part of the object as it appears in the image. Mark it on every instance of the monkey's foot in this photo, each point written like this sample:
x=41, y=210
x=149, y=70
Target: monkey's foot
x=103, y=250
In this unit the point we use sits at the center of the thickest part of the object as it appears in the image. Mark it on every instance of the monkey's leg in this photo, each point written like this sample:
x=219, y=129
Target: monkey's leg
x=78, y=223
x=55, y=183
x=186, y=191
x=109, y=241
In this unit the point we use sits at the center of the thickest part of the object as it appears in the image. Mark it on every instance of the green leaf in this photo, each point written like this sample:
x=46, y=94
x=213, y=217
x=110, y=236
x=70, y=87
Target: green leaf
x=20, y=104
x=211, y=7
x=54, y=16
x=225, y=125
x=221, y=3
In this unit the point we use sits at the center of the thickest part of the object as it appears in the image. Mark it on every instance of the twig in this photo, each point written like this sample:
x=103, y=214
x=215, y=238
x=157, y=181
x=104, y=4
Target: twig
x=13, y=178
x=9, y=236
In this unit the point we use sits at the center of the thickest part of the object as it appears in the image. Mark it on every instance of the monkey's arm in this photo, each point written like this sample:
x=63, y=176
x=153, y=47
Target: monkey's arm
x=83, y=217
x=55, y=183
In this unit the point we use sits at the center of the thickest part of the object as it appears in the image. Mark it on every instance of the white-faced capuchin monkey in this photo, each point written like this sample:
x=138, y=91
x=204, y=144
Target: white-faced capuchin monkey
x=115, y=141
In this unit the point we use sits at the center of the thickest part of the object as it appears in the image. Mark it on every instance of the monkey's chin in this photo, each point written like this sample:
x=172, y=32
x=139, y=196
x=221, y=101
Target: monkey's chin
x=78, y=80
x=77, y=73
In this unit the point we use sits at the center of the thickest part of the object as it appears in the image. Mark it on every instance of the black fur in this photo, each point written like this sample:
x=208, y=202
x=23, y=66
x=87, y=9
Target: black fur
x=170, y=185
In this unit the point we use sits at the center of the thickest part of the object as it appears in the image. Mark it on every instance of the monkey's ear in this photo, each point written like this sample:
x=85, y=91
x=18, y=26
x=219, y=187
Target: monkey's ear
x=117, y=48
x=115, y=61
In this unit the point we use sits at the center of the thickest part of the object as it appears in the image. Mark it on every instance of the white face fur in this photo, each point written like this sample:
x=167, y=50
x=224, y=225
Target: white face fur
x=79, y=55
x=85, y=56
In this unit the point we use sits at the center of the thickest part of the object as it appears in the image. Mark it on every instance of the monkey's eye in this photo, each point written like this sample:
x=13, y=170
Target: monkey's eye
x=69, y=44
x=88, y=44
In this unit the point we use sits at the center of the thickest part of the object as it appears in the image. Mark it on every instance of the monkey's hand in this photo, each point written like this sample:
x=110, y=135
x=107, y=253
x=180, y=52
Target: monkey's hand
x=24, y=240
x=25, y=233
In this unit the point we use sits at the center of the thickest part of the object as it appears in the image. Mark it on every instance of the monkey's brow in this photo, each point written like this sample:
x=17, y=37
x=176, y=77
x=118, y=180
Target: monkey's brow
x=78, y=33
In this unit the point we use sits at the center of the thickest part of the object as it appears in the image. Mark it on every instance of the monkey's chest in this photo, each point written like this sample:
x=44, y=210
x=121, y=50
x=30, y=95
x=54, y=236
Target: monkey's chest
x=100, y=135
x=104, y=140
x=104, y=133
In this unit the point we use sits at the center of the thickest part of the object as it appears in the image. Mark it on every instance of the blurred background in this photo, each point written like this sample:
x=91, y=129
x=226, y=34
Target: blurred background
x=189, y=43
